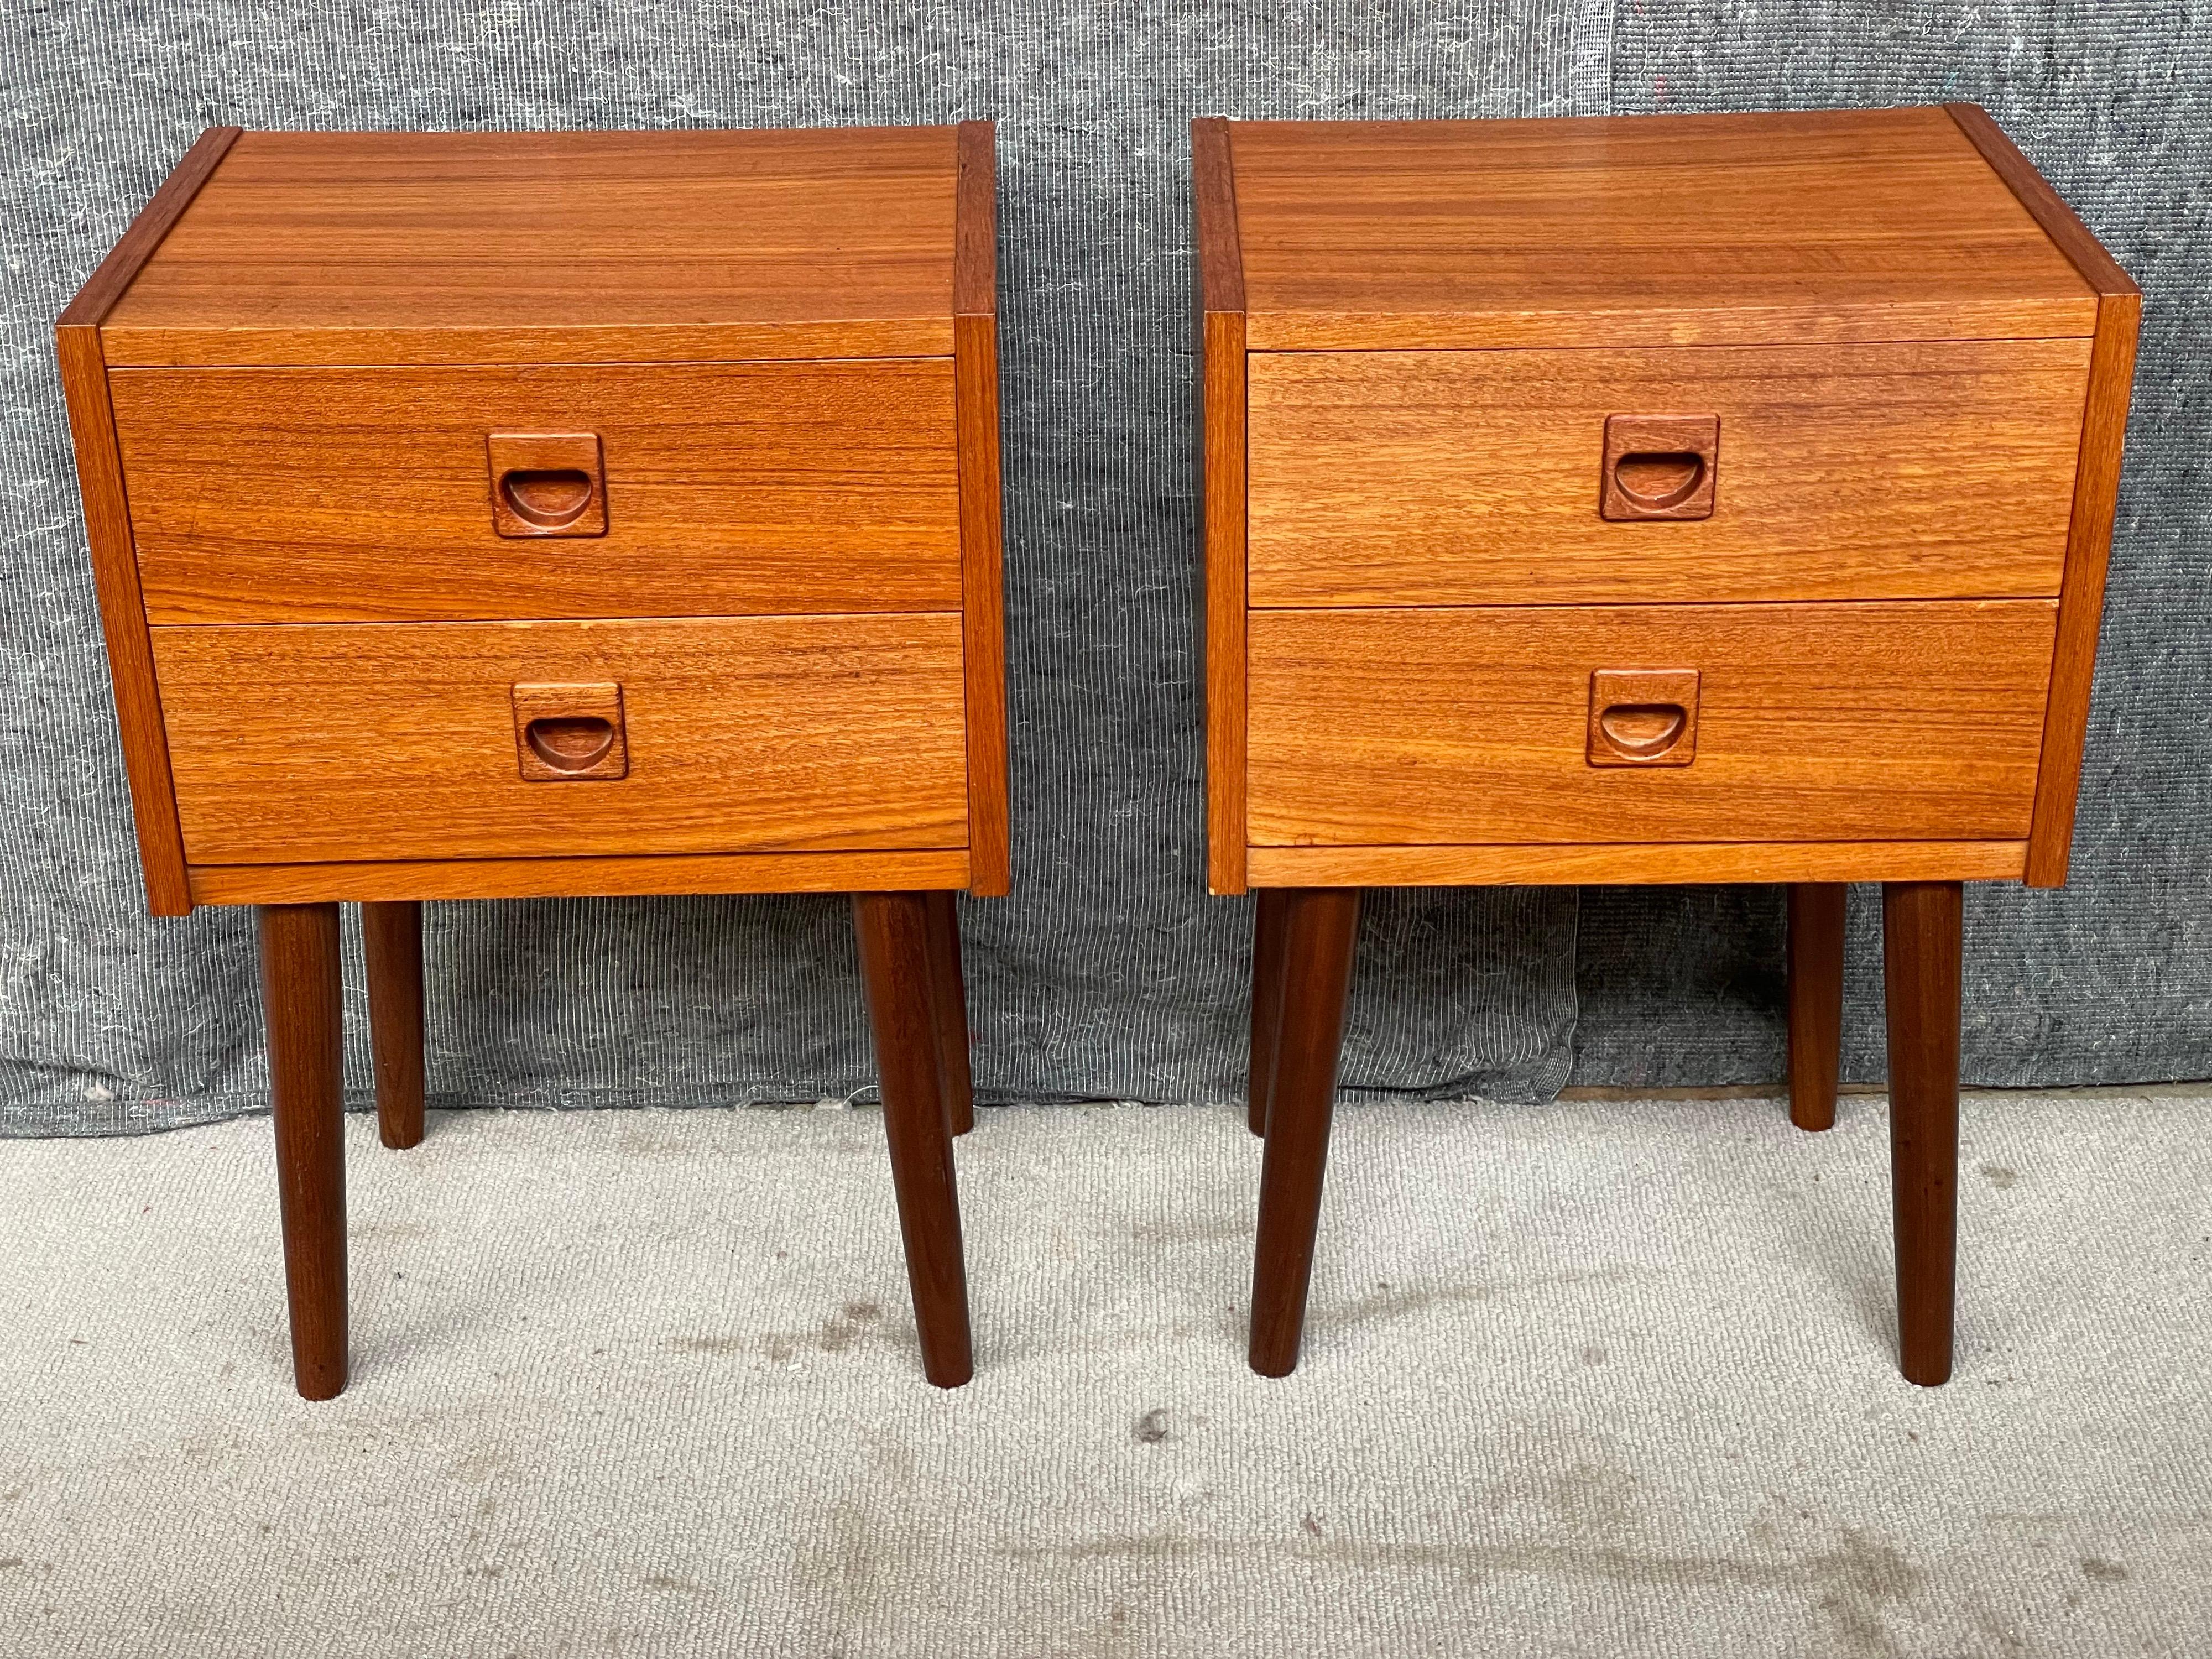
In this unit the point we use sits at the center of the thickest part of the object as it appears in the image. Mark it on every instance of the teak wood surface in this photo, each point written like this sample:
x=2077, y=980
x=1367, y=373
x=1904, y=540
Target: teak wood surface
x=1638, y=230
x=782, y=344
x=392, y=950
x=1921, y=470
x=362, y=494
x=394, y=742
x=1597, y=863
x=1816, y=1000
x=81, y=357
x=1218, y=297
x=365, y=881
x=473, y=247
x=1871, y=722
x=302, y=1007
x=1948, y=353
x=976, y=399
x=2096, y=492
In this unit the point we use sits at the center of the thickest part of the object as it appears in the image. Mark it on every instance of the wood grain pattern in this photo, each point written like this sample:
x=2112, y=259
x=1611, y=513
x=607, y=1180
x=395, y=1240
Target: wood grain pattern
x=2096, y=492
x=1625, y=864
x=319, y=743
x=1815, y=723
x=893, y=932
x=1816, y=1000
x=1218, y=295
x=1320, y=934
x=362, y=494
x=1921, y=937
x=948, y=1003
x=1271, y=913
x=2091, y=262
x=2082, y=600
x=580, y=878
x=391, y=951
x=982, y=583
x=301, y=1005
x=107, y=523
x=1909, y=470
x=1831, y=225
x=115, y=274
x=144, y=738
x=471, y=247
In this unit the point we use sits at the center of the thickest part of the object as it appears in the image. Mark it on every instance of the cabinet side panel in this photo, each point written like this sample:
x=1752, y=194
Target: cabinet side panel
x=1218, y=290
x=2081, y=598
x=975, y=402
x=122, y=619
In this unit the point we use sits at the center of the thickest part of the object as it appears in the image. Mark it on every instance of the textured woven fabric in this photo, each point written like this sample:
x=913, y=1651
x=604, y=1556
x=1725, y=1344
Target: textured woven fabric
x=1109, y=973
x=2110, y=979
x=1591, y=1381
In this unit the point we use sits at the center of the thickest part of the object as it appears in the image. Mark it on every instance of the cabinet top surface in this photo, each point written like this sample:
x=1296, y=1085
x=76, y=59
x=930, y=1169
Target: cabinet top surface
x=1657, y=229
x=828, y=242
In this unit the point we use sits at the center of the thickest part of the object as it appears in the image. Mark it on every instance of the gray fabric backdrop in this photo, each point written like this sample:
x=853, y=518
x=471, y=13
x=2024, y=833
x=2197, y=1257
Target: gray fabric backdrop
x=1109, y=974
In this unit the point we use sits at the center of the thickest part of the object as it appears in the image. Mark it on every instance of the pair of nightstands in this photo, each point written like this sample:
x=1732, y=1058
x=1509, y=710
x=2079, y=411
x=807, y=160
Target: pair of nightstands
x=1695, y=499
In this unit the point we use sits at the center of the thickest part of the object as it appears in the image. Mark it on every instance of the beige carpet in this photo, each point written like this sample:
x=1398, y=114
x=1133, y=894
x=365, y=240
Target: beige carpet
x=1600, y=1378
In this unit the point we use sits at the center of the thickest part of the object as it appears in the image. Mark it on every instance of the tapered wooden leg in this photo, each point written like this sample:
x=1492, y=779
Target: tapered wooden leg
x=1321, y=927
x=1268, y=921
x=392, y=939
x=1816, y=1000
x=948, y=1001
x=895, y=967
x=300, y=1001
x=1921, y=928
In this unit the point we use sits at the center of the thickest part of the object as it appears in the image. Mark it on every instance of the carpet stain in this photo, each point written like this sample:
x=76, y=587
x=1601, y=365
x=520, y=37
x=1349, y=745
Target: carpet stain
x=837, y=1332
x=1151, y=1428
x=1386, y=1302
x=2109, y=1572
x=663, y=1580
x=1595, y=1497
x=1999, y=1176
x=1853, y=1585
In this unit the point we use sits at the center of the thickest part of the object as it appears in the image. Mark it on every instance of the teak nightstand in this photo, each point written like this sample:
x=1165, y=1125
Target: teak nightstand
x=500, y=515
x=1665, y=498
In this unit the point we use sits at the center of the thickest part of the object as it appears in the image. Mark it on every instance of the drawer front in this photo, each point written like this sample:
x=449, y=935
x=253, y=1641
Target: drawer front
x=321, y=743
x=1812, y=722
x=1891, y=471
x=306, y=495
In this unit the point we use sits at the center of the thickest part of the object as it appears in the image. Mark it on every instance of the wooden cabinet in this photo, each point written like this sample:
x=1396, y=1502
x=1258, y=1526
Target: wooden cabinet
x=1661, y=499
x=500, y=514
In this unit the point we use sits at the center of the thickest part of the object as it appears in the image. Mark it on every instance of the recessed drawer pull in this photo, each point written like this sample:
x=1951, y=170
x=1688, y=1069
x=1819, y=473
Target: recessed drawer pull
x=547, y=483
x=1641, y=729
x=549, y=500
x=1660, y=466
x=571, y=744
x=563, y=732
x=1643, y=717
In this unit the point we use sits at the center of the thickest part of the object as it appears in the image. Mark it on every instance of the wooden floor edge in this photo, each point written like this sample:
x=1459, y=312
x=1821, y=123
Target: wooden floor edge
x=938, y=869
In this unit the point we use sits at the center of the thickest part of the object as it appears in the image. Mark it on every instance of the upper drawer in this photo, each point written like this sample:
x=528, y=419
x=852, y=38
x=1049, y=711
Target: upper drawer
x=724, y=734
x=1648, y=723
x=299, y=494
x=1886, y=470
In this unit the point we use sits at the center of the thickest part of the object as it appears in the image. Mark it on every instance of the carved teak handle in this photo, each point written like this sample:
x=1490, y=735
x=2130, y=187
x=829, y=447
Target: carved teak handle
x=547, y=483
x=1643, y=717
x=566, y=733
x=1660, y=466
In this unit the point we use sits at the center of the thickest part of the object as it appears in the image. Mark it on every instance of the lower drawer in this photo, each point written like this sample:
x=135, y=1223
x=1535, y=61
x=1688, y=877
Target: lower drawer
x=329, y=743
x=1812, y=722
